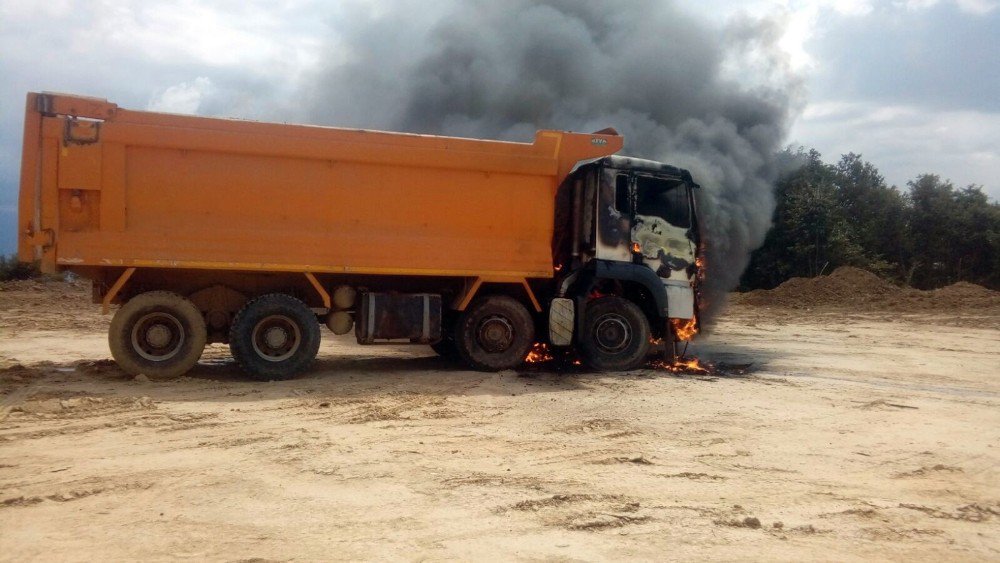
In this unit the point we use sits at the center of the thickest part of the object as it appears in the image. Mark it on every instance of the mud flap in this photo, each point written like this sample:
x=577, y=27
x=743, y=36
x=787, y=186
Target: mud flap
x=561, y=322
x=680, y=299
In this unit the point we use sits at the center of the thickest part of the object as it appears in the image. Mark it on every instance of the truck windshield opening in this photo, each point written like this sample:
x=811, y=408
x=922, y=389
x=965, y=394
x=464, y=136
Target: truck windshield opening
x=664, y=198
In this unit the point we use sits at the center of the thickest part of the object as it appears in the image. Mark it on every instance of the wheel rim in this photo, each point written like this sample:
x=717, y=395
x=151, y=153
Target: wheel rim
x=495, y=334
x=612, y=333
x=158, y=336
x=276, y=338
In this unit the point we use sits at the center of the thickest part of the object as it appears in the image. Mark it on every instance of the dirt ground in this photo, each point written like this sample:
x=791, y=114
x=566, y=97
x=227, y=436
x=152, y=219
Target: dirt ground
x=854, y=436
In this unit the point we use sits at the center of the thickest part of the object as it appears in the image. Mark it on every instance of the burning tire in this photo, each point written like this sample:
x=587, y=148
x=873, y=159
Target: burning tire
x=274, y=336
x=158, y=333
x=615, y=335
x=494, y=333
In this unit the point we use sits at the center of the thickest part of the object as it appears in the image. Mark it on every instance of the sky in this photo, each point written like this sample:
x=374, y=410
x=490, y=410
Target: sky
x=910, y=84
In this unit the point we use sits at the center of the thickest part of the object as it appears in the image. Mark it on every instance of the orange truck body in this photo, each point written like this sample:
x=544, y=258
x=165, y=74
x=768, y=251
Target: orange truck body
x=253, y=234
x=108, y=188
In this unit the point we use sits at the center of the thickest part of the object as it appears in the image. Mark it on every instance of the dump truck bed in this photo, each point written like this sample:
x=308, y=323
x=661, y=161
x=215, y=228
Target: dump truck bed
x=104, y=186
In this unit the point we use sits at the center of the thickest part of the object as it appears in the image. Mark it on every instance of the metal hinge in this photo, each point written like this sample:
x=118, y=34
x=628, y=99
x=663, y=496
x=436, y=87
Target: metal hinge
x=44, y=104
x=81, y=132
x=44, y=237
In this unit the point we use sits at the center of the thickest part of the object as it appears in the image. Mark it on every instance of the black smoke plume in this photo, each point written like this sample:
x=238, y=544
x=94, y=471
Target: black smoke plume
x=715, y=100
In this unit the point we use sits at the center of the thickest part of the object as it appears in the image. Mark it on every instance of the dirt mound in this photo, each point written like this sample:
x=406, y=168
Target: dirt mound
x=965, y=291
x=44, y=304
x=844, y=287
x=959, y=297
x=860, y=290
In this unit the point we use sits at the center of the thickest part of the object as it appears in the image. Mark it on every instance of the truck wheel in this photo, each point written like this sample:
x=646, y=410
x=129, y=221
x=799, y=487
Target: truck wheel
x=494, y=333
x=274, y=336
x=158, y=333
x=615, y=335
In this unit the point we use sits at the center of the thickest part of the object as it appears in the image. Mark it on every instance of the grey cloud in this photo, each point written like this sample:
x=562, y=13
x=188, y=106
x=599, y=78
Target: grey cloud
x=940, y=58
x=647, y=68
x=963, y=146
x=502, y=71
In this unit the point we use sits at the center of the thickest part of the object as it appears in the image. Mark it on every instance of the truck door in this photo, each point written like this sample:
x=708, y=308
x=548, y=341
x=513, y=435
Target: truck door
x=662, y=228
x=614, y=215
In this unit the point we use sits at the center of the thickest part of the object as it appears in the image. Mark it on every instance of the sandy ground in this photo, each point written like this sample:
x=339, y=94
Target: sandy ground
x=853, y=437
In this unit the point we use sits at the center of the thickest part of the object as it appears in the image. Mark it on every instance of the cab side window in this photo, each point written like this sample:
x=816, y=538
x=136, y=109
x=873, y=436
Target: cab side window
x=621, y=194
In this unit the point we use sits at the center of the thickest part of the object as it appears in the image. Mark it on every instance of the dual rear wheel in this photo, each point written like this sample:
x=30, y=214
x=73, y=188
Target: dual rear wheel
x=162, y=334
x=159, y=334
x=274, y=336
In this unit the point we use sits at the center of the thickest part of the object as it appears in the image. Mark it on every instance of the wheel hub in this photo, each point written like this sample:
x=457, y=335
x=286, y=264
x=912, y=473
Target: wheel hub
x=495, y=334
x=612, y=334
x=157, y=336
x=276, y=338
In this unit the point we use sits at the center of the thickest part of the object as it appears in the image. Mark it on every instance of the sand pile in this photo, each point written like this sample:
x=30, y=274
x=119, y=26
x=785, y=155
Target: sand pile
x=844, y=287
x=44, y=304
x=860, y=290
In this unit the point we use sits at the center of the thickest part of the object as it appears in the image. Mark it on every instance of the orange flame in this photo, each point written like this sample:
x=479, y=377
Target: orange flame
x=539, y=353
x=685, y=329
x=682, y=365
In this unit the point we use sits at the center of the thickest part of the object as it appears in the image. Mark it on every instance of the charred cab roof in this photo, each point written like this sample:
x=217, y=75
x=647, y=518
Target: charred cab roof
x=650, y=166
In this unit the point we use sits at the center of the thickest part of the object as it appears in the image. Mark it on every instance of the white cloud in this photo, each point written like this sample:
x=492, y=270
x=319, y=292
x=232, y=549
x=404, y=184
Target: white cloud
x=980, y=7
x=255, y=36
x=977, y=7
x=914, y=5
x=904, y=141
x=13, y=9
x=185, y=97
x=851, y=7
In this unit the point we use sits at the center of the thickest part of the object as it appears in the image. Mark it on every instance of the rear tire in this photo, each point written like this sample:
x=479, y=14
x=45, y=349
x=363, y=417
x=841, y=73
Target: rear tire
x=615, y=335
x=495, y=333
x=274, y=337
x=158, y=333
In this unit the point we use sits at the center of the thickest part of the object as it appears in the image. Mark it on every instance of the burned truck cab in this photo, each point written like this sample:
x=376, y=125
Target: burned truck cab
x=625, y=228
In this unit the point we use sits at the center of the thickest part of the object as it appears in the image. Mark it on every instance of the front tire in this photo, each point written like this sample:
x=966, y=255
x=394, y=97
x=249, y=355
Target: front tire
x=158, y=333
x=615, y=335
x=494, y=333
x=274, y=337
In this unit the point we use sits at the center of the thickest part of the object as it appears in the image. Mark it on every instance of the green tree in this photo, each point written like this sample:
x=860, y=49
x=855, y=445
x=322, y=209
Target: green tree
x=811, y=233
x=933, y=219
x=877, y=216
x=829, y=216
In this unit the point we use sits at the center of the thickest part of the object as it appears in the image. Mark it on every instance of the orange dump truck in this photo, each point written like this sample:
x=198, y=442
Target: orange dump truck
x=256, y=234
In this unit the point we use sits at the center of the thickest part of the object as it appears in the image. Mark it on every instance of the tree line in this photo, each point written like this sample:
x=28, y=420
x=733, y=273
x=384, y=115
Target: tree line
x=929, y=235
